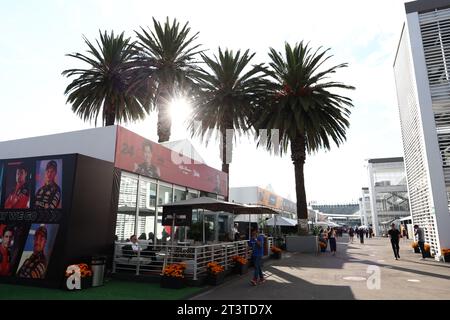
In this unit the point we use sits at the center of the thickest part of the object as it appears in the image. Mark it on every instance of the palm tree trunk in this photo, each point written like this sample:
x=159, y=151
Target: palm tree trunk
x=298, y=156
x=223, y=153
x=109, y=115
x=164, y=119
x=226, y=152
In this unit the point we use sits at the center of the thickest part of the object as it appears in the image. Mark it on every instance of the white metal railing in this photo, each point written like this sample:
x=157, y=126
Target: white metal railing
x=151, y=259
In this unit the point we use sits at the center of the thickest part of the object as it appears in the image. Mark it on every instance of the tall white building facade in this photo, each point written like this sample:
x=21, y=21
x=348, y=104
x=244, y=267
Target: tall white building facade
x=422, y=75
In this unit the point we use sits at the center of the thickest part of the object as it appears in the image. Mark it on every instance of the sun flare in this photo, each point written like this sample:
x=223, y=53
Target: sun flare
x=180, y=110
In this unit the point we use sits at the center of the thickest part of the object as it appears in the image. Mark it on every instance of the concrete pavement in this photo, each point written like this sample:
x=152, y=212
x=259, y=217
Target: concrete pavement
x=358, y=271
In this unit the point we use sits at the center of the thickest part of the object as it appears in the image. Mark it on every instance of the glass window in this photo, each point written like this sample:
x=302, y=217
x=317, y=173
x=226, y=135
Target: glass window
x=208, y=194
x=389, y=176
x=396, y=202
x=224, y=229
x=165, y=194
x=210, y=224
x=147, y=209
x=126, y=211
x=192, y=194
x=180, y=194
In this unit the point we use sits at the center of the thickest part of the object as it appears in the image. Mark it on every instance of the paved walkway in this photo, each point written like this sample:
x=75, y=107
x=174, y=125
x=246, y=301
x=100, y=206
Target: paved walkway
x=351, y=274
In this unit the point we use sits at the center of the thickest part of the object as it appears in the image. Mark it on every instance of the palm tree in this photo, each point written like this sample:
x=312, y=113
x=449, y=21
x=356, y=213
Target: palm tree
x=167, y=55
x=228, y=98
x=107, y=87
x=304, y=110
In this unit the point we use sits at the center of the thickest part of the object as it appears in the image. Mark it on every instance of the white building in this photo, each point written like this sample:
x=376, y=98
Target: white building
x=422, y=74
x=258, y=195
x=365, y=212
x=388, y=193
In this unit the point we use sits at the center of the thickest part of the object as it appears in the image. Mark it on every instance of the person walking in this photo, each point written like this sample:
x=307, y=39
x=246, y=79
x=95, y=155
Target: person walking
x=395, y=235
x=332, y=239
x=351, y=234
x=420, y=233
x=361, y=234
x=256, y=242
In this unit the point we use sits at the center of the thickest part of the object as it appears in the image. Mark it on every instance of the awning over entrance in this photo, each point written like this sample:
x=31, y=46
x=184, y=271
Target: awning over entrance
x=281, y=221
x=211, y=204
x=326, y=224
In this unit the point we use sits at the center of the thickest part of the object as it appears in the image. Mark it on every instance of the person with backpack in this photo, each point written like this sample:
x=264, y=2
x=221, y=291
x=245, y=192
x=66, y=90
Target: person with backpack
x=256, y=242
x=332, y=239
x=351, y=234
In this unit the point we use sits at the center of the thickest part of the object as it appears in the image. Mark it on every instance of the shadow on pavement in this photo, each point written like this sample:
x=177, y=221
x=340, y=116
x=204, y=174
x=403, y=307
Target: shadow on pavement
x=280, y=285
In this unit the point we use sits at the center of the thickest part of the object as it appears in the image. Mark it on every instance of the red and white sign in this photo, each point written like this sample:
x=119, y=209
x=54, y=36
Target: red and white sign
x=137, y=154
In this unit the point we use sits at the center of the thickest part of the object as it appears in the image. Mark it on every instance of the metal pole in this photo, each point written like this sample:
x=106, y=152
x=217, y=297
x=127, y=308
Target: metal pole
x=195, y=263
x=203, y=224
x=249, y=224
x=276, y=223
x=171, y=235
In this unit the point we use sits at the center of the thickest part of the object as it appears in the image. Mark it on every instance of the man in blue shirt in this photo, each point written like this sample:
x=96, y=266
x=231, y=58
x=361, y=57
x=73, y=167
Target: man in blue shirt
x=256, y=242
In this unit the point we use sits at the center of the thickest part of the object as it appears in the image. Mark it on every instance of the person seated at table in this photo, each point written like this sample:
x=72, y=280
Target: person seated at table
x=151, y=237
x=143, y=236
x=149, y=252
x=132, y=249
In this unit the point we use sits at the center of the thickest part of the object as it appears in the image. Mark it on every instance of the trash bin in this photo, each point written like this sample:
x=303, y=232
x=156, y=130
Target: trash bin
x=98, y=264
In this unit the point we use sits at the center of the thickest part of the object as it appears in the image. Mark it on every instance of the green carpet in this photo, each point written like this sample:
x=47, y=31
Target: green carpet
x=112, y=290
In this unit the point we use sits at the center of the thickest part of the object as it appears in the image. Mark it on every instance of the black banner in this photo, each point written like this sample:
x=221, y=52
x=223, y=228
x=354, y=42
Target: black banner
x=183, y=216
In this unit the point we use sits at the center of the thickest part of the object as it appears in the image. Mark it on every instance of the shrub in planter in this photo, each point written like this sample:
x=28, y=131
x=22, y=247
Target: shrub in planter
x=276, y=252
x=216, y=273
x=445, y=254
x=215, y=278
x=240, y=265
x=173, y=276
x=323, y=246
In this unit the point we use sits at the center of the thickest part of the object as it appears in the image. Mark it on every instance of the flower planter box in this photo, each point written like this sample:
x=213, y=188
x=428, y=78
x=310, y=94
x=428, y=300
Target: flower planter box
x=240, y=269
x=215, y=279
x=416, y=250
x=447, y=258
x=323, y=249
x=276, y=255
x=172, y=282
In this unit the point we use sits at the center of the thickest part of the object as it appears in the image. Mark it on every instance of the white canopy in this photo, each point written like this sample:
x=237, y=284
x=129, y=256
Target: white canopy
x=326, y=224
x=281, y=221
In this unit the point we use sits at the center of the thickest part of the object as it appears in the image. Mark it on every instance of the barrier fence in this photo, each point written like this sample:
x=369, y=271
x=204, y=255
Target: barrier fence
x=151, y=258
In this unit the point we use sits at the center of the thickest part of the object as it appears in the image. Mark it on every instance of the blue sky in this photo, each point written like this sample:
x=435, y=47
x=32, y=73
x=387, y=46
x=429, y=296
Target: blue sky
x=36, y=35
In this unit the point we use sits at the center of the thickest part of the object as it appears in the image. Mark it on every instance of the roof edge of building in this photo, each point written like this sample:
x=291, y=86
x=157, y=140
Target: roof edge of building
x=422, y=6
x=385, y=160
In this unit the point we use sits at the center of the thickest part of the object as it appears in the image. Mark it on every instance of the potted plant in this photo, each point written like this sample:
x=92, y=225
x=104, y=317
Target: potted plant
x=81, y=271
x=276, y=252
x=240, y=265
x=196, y=231
x=323, y=246
x=446, y=254
x=216, y=274
x=173, y=276
x=415, y=246
x=427, y=248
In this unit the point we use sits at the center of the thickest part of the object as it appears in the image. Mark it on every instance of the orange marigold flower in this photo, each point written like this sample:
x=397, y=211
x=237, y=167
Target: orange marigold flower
x=275, y=249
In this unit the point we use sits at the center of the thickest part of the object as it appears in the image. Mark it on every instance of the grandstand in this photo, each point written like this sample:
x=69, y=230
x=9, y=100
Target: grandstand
x=337, y=209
